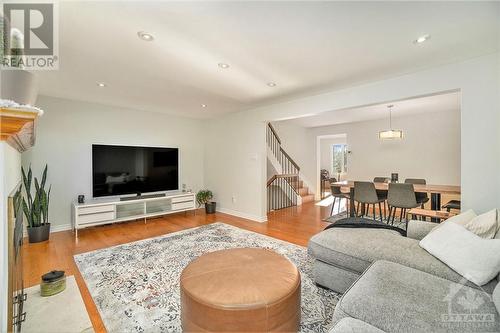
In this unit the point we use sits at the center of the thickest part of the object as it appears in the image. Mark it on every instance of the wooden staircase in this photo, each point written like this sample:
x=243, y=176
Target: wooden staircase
x=285, y=188
x=304, y=193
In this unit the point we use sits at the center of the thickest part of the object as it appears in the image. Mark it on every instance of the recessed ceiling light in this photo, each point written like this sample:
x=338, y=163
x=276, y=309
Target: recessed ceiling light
x=145, y=36
x=101, y=84
x=223, y=65
x=271, y=84
x=422, y=39
x=203, y=105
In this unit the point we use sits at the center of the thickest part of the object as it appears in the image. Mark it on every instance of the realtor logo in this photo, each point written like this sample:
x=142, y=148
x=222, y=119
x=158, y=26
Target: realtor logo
x=29, y=36
x=469, y=309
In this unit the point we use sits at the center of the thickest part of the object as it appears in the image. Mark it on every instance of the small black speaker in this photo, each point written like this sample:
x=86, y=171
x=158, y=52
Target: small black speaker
x=81, y=198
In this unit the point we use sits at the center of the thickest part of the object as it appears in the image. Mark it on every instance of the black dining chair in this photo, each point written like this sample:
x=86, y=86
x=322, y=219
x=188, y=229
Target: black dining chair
x=422, y=197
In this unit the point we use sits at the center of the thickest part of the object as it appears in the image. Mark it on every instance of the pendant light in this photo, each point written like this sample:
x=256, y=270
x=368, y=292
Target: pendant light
x=390, y=134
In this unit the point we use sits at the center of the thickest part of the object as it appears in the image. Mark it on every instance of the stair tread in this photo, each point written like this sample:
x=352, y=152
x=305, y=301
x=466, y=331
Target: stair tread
x=307, y=198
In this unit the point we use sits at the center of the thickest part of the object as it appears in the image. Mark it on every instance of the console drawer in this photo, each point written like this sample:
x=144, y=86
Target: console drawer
x=95, y=209
x=183, y=205
x=93, y=218
x=182, y=199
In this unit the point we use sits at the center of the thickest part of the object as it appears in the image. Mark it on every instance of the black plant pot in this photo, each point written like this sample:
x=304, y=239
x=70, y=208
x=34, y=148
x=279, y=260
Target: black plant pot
x=39, y=234
x=210, y=207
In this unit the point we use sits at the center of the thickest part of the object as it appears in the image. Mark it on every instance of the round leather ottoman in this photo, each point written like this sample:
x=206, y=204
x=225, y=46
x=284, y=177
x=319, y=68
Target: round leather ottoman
x=240, y=290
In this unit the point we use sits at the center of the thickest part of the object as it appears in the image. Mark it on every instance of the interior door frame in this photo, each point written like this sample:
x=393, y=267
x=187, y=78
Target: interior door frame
x=318, y=158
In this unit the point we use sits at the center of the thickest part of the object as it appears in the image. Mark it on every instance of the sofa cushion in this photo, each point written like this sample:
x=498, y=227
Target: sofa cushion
x=350, y=248
x=352, y=325
x=332, y=277
x=462, y=219
x=395, y=298
x=357, y=249
x=484, y=225
x=419, y=229
x=475, y=258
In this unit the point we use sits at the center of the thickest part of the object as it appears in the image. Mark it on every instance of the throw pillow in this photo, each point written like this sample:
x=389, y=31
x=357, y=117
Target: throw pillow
x=461, y=219
x=484, y=225
x=475, y=258
x=497, y=236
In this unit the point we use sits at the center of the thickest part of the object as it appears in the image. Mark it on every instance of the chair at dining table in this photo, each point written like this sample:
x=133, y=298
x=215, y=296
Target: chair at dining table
x=338, y=194
x=401, y=196
x=422, y=197
x=382, y=194
x=366, y=194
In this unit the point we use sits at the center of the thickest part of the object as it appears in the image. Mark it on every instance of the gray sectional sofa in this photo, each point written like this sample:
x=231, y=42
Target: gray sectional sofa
x=390, y=284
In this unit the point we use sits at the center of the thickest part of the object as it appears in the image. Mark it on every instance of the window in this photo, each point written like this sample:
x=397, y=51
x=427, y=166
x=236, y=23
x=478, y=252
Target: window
x=339, y=158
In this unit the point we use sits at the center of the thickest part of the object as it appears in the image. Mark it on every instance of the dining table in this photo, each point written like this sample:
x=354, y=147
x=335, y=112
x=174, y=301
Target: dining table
x=435, y=191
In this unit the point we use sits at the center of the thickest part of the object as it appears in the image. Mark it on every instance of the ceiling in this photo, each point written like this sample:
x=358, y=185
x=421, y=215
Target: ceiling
x=434, y=103
x=304, y=47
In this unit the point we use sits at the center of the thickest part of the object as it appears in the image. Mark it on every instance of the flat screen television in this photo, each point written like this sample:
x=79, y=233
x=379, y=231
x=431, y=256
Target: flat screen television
x=120, y=170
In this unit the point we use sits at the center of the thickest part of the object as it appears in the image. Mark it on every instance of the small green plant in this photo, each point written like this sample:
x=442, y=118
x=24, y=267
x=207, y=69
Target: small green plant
x=35, y=207
x=203, y=197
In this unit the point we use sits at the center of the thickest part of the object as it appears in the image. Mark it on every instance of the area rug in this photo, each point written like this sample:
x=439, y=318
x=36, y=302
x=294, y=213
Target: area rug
x=61, y=313
x=135, y=286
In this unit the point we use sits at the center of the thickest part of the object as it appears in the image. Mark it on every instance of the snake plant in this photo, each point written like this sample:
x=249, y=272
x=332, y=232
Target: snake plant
x=36, y=205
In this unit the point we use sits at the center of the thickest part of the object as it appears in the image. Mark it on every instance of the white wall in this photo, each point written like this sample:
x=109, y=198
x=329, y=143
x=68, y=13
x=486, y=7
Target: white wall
x=10, y=176
x=68, y=128
x=240, y=137
x=235, y=164
x=429, y=150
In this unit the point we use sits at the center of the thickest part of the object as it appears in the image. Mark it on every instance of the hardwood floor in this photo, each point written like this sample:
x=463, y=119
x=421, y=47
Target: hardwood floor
x=295, y=225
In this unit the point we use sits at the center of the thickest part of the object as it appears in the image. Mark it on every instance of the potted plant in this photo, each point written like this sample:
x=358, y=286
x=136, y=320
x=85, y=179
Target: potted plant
x=205, y=197
x=36, y=207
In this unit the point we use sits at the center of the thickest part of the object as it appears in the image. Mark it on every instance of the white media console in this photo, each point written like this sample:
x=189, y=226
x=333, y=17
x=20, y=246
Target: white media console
x=104, y=211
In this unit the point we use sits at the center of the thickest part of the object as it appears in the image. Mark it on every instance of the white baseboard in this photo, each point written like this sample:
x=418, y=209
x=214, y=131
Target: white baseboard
x=61, y=227
x=261, y=219
x=252, y=217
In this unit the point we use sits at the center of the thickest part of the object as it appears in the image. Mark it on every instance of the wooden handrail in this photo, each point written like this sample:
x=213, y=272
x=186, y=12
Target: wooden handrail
x=274, y=132
x=270, y=181
x=288, y=175
x=290, y=159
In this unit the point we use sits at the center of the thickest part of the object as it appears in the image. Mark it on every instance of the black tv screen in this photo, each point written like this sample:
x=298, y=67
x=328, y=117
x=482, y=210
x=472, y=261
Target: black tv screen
x=119, y=170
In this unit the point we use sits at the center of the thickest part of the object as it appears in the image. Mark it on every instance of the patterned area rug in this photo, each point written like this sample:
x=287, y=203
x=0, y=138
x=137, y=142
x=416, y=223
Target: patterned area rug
x=136, y=285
